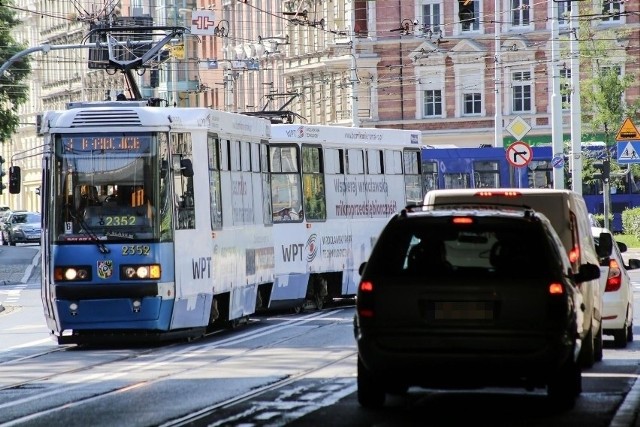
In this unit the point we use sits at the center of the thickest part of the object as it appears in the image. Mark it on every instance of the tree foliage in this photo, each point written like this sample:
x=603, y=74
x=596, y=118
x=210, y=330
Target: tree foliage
x=13, y=87
x=603, y=56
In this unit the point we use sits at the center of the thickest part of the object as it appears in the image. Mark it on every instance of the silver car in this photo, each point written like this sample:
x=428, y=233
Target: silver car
x=22, y=227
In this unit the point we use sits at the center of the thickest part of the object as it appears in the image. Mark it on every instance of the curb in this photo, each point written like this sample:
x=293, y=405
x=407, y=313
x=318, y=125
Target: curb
x=30, y=267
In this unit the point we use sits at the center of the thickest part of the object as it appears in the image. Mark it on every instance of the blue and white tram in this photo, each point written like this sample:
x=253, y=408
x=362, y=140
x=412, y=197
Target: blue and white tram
x=155, y=221
x=333, y=189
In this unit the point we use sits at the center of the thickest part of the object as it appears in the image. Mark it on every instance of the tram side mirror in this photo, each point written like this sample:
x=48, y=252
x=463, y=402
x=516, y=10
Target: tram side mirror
x=186, y=167
x=164, y=167
x=14, y=179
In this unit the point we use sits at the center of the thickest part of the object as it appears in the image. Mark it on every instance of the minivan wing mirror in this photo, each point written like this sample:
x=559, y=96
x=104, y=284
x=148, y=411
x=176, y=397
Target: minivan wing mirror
x=605, y=245
x=633, y=264
x=587, y=272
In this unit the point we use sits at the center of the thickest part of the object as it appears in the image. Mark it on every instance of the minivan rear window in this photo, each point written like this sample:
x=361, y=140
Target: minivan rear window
x=433, y=247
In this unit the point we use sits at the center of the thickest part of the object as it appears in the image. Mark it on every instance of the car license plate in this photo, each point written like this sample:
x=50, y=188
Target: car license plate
x=463, y=310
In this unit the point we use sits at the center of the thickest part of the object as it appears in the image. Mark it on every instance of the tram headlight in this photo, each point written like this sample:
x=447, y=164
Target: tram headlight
x=141, y=272
x=72, y=273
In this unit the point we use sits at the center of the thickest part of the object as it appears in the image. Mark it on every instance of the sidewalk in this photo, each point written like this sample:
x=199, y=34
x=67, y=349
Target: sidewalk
x=17, y=273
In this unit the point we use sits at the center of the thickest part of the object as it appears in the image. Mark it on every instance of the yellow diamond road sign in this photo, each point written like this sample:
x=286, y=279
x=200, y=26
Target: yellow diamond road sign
x=518, y=128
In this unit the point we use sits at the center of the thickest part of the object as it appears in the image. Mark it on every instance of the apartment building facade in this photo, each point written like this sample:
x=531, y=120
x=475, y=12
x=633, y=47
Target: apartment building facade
x=430, y=65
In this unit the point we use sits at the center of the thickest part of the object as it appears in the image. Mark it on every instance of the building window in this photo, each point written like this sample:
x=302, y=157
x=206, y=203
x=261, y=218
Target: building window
x=564, y=12
x=472, y=103
x=431, y=17
x=611, y=10
x=469, y=15
x=565, y=88
x=520, y=13
x=432, y=103
x=521, y=87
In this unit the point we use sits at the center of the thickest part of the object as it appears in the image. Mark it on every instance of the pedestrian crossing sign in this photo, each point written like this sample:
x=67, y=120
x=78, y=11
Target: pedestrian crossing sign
x=628, y=152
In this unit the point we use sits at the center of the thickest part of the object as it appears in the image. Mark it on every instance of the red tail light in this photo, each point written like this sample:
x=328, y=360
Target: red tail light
x=556, y=289
x=574, y=254
x=614, y=279
x=462, y=220
x=365, y=300
x=366, y=287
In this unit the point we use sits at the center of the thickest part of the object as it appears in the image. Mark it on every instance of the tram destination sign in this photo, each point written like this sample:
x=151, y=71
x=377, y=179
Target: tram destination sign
x=75, y=144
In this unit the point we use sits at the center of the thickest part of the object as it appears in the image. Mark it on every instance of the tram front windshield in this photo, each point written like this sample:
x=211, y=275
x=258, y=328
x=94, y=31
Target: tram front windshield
x=106, y=187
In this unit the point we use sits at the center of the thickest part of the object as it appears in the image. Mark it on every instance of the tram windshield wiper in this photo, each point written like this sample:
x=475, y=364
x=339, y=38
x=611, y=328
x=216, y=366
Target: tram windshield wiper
x=83, y=225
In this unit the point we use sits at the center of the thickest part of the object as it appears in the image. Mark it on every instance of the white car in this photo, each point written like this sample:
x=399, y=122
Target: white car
x=617, y=303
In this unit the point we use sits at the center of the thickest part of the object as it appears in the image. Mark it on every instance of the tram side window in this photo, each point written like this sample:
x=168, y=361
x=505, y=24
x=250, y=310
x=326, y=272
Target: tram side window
x=375, y=162
x=486, y=174
x=213, y=146
x=286, y=191
x=266, y=184
x=430, y=175
x=540, y=174
x=456, y=180
x=412, y=177
x=166, y=214
x=183, y=180
x=315, y=206
x=393, y=160
x=355, y=161
x=334, y=161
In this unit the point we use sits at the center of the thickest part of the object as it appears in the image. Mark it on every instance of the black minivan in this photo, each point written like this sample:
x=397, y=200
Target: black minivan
x=469, y=298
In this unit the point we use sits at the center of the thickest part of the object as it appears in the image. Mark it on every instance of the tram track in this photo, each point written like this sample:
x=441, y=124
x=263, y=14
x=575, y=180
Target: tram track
x=44, y=393
x=206, y=413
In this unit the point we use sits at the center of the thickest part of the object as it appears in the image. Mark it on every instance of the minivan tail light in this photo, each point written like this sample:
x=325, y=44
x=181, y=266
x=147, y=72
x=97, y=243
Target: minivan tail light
x=614, y=279
x=366, y=286
x=363, y=312
x=556, y=289
x=364, y=302
x=574, y=254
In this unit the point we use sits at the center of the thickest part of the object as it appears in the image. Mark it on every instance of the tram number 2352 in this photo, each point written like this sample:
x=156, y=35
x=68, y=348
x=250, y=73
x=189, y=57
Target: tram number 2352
x=136, y=250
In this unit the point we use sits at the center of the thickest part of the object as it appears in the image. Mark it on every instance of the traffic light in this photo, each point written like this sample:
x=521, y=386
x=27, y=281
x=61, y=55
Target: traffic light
x=603, y=168
x=2, y=174
x=14, y=179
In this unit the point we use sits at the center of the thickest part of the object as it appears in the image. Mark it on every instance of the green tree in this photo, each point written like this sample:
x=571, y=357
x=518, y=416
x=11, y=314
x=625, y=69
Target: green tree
x=603, y=57
x=13, y=88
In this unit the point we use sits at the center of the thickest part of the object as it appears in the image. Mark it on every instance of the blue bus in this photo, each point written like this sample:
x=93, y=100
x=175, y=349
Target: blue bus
x=487, y=167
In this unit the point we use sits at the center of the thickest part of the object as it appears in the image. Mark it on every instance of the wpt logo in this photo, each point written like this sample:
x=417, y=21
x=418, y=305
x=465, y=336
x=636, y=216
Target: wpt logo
x=312, y=248
x=201, y=267
x=291, y=252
